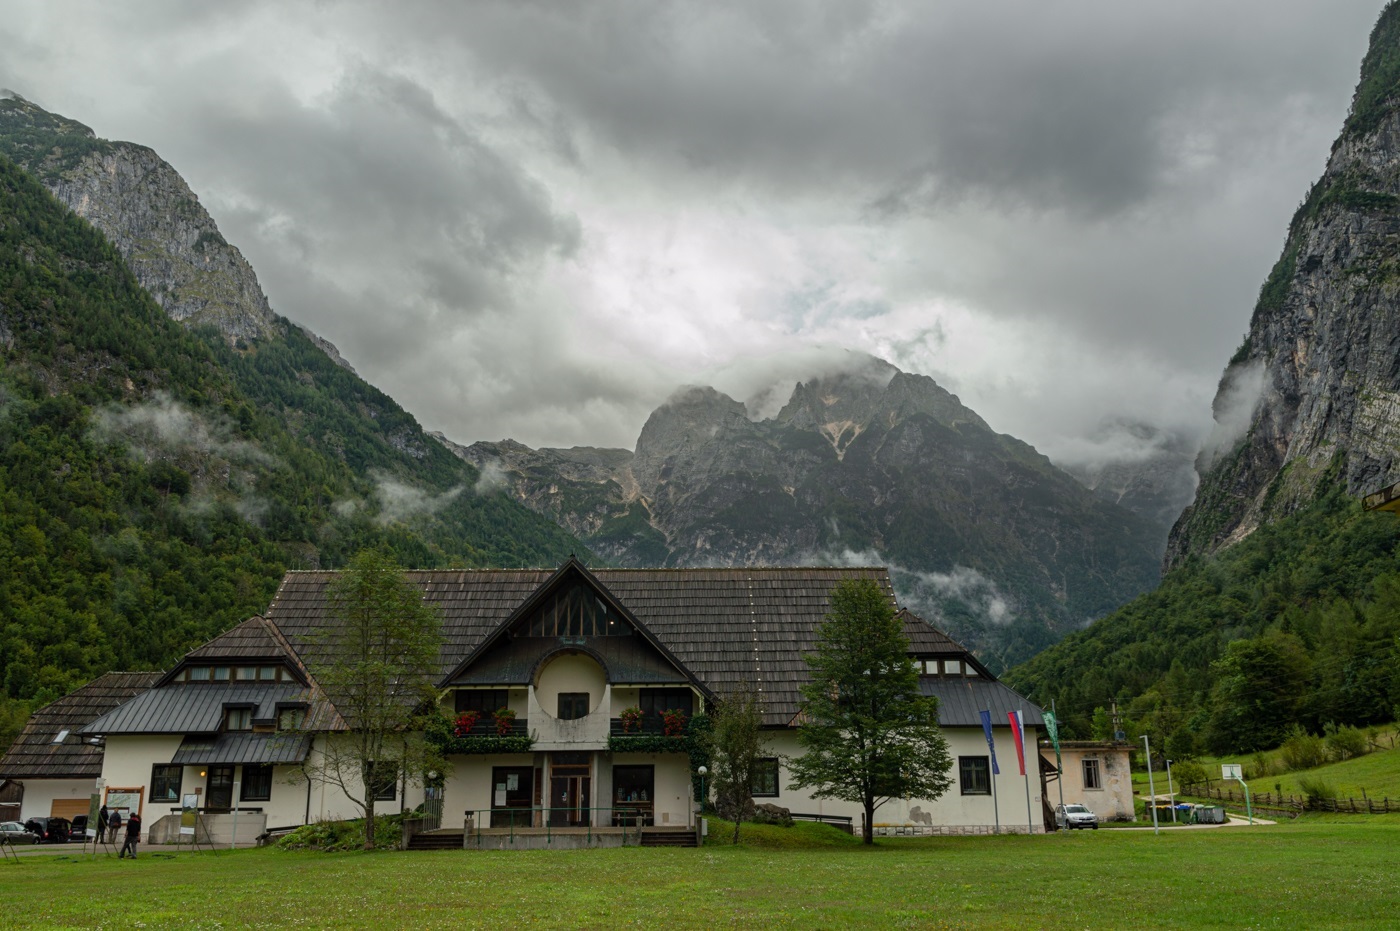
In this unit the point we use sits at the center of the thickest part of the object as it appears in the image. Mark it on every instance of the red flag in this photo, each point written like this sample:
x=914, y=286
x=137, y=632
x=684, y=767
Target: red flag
x=1016, y=728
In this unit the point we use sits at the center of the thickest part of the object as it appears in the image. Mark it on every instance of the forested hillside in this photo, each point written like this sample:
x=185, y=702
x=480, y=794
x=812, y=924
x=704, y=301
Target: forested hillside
x=1300, y=623
x=155, y=482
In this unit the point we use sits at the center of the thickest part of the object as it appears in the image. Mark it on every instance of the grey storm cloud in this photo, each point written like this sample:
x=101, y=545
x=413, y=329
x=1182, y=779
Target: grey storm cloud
x=537, y=219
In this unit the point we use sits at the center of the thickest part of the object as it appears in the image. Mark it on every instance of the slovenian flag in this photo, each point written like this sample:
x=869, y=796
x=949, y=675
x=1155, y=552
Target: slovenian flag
x=1016, y=733
x=991, y=746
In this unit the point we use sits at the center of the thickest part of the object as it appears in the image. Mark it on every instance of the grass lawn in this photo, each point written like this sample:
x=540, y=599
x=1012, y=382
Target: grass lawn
x=1304, y=875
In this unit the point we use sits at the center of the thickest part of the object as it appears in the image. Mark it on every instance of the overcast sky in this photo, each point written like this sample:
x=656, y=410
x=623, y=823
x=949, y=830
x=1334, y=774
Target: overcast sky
x=535, y=220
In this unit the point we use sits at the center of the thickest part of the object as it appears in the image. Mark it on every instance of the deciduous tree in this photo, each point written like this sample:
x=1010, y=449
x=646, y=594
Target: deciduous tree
x=869, y=735
x=375, y=663
x=736, y=741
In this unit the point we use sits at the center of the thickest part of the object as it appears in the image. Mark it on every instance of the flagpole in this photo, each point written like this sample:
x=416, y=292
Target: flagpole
x=1026, y=772
x=1059, y=766
x=996, y=812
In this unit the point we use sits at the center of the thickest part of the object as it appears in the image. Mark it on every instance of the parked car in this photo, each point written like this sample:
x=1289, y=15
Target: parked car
x=78, y=828
x=1070, y=817
x=15, y=833
x=50, y=830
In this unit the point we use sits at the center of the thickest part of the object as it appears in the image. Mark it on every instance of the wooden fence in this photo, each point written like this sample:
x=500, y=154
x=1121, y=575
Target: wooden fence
x=1295, y=804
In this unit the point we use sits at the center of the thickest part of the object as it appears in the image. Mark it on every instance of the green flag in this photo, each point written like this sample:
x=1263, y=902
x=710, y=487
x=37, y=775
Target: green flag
x=1052, y=727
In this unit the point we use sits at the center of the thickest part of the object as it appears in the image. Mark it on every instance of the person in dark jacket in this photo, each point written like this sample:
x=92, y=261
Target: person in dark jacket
x=114, y=824
x=133, y=834
x=102, y=815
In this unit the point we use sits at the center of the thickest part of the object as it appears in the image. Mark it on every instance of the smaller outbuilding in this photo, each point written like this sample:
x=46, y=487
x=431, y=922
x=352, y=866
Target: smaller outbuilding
x=52, y=766
x=1096, y=774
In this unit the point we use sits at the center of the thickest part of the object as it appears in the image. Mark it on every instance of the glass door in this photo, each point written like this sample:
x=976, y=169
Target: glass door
x=634, y=792
x=218, y=792
x=570, y=790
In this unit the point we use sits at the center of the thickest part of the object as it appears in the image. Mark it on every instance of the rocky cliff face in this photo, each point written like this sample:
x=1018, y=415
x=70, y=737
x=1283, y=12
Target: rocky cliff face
x=1312, y=397
x=145, y=209
x=982, y=531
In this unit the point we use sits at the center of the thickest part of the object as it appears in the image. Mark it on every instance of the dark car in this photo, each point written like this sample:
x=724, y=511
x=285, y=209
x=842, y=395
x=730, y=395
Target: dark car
x=50, y=830
x=78, y=828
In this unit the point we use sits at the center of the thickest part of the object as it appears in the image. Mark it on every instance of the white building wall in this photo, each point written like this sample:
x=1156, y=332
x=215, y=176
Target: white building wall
x=39, y=794
x=954, y=813
x=127, y=762
x=672, y=803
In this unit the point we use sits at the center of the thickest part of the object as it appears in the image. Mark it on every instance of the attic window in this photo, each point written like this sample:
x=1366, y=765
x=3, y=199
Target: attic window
x=238, y=719
x=577, y=611
x=199, y=673
x=952, y=667
x=62, y=736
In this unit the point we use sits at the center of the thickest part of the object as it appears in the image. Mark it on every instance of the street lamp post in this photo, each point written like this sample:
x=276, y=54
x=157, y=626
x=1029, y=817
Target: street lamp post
x=1151, y=791
x=1171, y=791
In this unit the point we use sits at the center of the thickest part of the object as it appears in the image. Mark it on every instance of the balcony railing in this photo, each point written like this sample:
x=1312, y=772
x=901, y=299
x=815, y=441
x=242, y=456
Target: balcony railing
x=649, y=725
x=486, y=727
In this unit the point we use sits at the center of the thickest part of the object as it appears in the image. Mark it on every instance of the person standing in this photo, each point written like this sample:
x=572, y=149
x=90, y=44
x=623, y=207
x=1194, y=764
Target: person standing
x=114, y=824
x=102, y=816
x=133, y=835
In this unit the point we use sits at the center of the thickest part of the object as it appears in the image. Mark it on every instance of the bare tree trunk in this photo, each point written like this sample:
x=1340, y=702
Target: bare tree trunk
x=369, y=818
x=869, y=827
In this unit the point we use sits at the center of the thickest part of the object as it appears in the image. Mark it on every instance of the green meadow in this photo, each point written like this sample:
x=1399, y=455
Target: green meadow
x=1300, y=875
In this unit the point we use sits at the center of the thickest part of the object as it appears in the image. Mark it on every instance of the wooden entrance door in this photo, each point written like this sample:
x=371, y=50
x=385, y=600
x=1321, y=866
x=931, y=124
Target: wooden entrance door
x=570, y=790
x=218, y=793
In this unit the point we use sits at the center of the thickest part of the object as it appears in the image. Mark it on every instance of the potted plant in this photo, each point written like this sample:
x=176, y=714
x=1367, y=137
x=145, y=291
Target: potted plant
x=505, y=720
x=673, y=721
x=464, y=723
x=631, y=719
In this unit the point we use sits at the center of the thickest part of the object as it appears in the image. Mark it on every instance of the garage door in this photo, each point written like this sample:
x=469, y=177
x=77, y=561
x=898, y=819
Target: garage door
x=68, y=808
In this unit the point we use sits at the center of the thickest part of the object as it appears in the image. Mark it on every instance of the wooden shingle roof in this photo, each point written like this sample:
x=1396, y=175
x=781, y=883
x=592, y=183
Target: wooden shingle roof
x=36, y=755
x=726, y=626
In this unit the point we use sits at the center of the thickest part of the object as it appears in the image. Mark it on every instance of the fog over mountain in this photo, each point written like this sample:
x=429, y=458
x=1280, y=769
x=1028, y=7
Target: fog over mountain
x=535, y=220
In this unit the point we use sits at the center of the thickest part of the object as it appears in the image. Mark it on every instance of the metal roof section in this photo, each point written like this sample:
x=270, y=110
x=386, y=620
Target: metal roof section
x=195, y=708
x=962, y=698
x=38, y=754
x=242, y=747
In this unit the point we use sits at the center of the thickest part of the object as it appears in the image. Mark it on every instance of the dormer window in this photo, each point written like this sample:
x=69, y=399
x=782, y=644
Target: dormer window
x=198, y=673
x=246, y=673
x=238, y=719
x=291, y=719
x=221, y=673
x=267, y=673
x=952, y=667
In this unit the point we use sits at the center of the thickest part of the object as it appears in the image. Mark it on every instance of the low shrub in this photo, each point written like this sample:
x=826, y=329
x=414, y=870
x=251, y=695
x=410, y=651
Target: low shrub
x=1316, y=789
x=1303, y=750
x=1188, y=773
x=1260, y=766
x=1344, y=743
x=332, y=836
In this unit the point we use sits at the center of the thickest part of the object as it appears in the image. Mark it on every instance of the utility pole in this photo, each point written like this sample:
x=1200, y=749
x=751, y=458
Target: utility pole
x=1151, y=792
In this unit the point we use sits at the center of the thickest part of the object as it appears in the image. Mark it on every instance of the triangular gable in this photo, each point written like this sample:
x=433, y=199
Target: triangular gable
x=254, y=640
x=925, y=639
x=571, y=573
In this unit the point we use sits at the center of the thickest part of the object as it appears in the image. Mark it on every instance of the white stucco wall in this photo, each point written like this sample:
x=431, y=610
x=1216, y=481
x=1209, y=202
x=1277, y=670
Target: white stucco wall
x=570, y=672
x=127, y=762
x=953, y=812
x=39, y=794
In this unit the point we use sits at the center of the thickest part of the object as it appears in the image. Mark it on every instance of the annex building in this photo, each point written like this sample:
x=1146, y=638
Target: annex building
x=568, y=698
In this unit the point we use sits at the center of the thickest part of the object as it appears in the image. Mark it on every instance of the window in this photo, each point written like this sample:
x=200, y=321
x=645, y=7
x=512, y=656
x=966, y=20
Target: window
x=238, y=719
x=952, y=667
x=1092, y=778
x=199, y=673
x=485, y=701
x=975, y=775
x=572, y=705
x=245, y=673
x=577, y=612
x=221, y=673
x=257, y=782
x=765, y=777
x=290, y=719
x=654, y=701
x=383, y=780
x=165, y=783
x=267, y=673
